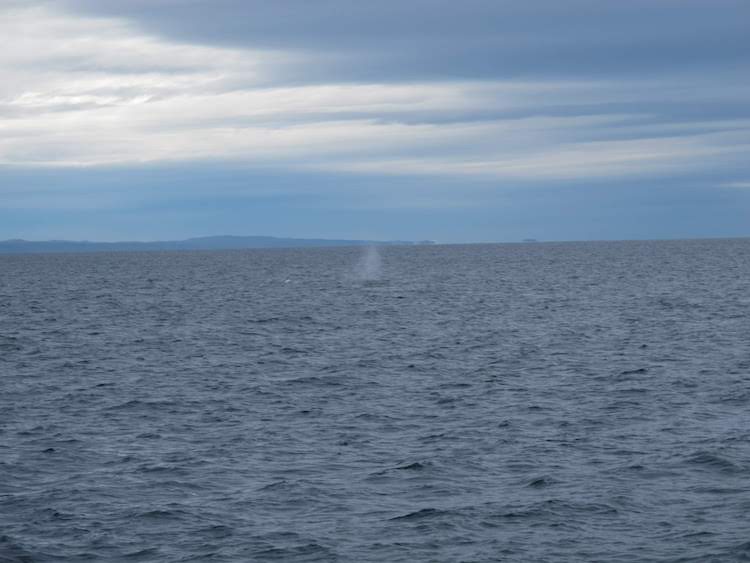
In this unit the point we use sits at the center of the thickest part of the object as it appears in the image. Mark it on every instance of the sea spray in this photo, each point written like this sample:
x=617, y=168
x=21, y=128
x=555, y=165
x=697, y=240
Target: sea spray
x=370, y=265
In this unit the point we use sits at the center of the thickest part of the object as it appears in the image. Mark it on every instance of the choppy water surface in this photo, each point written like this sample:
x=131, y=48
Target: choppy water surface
x=537, y=402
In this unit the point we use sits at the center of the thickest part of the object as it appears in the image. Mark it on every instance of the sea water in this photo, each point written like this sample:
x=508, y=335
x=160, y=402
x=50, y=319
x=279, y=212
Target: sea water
x=530, y=402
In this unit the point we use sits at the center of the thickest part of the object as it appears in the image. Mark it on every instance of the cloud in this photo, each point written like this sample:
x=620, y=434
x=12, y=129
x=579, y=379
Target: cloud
x=393, y=40
x=93, y=91
x=404, y=106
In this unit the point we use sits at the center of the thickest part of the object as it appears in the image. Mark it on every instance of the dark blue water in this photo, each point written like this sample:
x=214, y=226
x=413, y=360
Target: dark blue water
x=538, y=402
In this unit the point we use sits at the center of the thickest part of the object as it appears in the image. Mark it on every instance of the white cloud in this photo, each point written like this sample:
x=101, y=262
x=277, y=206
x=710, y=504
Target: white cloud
x=599, y=159
x=91, y=91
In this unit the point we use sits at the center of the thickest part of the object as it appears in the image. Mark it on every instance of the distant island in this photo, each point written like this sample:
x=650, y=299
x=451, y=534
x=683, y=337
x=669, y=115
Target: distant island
x=19, y=246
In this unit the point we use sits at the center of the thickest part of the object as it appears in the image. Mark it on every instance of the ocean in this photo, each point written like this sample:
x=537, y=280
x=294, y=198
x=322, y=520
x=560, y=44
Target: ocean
x=541, y=402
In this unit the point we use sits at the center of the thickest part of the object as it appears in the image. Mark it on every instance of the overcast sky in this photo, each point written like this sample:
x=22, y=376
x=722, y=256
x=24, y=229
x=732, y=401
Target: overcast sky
x=458, y=121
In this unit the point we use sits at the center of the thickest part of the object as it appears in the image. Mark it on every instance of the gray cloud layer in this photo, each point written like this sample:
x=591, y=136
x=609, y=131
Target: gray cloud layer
x=470, y=39
x=468, y=106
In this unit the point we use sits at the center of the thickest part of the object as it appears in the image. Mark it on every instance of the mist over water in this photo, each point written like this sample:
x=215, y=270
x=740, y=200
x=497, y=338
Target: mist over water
x=578, y=402
x=370, y=265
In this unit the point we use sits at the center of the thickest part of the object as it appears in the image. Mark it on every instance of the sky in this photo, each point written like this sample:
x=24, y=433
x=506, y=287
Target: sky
x=455, y=121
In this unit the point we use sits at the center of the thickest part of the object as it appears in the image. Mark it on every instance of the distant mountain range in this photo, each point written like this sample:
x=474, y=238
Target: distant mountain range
x=18, y=246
